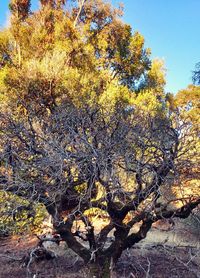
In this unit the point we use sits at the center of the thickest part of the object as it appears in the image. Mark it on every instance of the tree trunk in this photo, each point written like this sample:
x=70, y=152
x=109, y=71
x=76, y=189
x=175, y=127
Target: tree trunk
x=101, y=269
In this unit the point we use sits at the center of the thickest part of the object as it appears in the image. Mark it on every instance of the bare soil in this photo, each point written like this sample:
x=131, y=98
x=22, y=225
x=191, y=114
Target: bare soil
x=143, y=260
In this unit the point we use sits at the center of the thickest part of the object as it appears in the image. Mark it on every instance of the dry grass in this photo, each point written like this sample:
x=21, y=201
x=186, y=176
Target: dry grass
x=139, y=262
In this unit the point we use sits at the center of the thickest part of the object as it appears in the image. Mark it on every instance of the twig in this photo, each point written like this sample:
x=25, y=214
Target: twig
x=12, y=258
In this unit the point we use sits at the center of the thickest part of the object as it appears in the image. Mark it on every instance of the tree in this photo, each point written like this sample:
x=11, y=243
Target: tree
x=20, y=8
x=187, y=107
x=80, y=138
x=196, y=74
x=187, y=102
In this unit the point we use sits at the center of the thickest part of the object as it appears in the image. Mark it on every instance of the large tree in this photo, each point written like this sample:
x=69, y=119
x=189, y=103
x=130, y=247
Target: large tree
x=86, y=130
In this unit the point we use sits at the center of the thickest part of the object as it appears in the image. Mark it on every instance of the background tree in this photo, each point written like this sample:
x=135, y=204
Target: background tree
x=20, y=8
x=79, y=137
x=196, y=74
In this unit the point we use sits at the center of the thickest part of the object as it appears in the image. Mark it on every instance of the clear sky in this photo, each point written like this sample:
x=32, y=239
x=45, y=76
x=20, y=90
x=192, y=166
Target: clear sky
x=171, y=29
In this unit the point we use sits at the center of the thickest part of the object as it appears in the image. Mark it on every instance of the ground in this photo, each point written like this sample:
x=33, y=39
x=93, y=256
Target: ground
x=163, y=254
x=147, y=259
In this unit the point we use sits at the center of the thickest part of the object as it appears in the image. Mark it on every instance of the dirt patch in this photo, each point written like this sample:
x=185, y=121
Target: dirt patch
x=160, y=262
x=155, y=261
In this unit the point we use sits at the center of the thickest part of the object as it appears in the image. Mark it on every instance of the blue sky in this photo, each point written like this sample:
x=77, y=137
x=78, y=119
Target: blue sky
x=171, y=29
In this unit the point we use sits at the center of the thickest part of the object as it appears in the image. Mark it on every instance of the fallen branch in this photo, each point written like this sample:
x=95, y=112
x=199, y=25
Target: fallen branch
x=37, y=254
x=11, y=258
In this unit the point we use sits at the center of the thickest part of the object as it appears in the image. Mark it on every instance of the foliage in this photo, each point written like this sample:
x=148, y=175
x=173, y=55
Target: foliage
x=18, y=216
x=196, y=74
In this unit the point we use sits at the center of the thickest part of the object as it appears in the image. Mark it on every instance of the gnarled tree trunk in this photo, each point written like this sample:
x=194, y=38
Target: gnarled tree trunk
x=101, y=268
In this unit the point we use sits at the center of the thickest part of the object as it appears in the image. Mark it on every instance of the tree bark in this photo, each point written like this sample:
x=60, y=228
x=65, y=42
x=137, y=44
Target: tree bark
x=101, y=268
